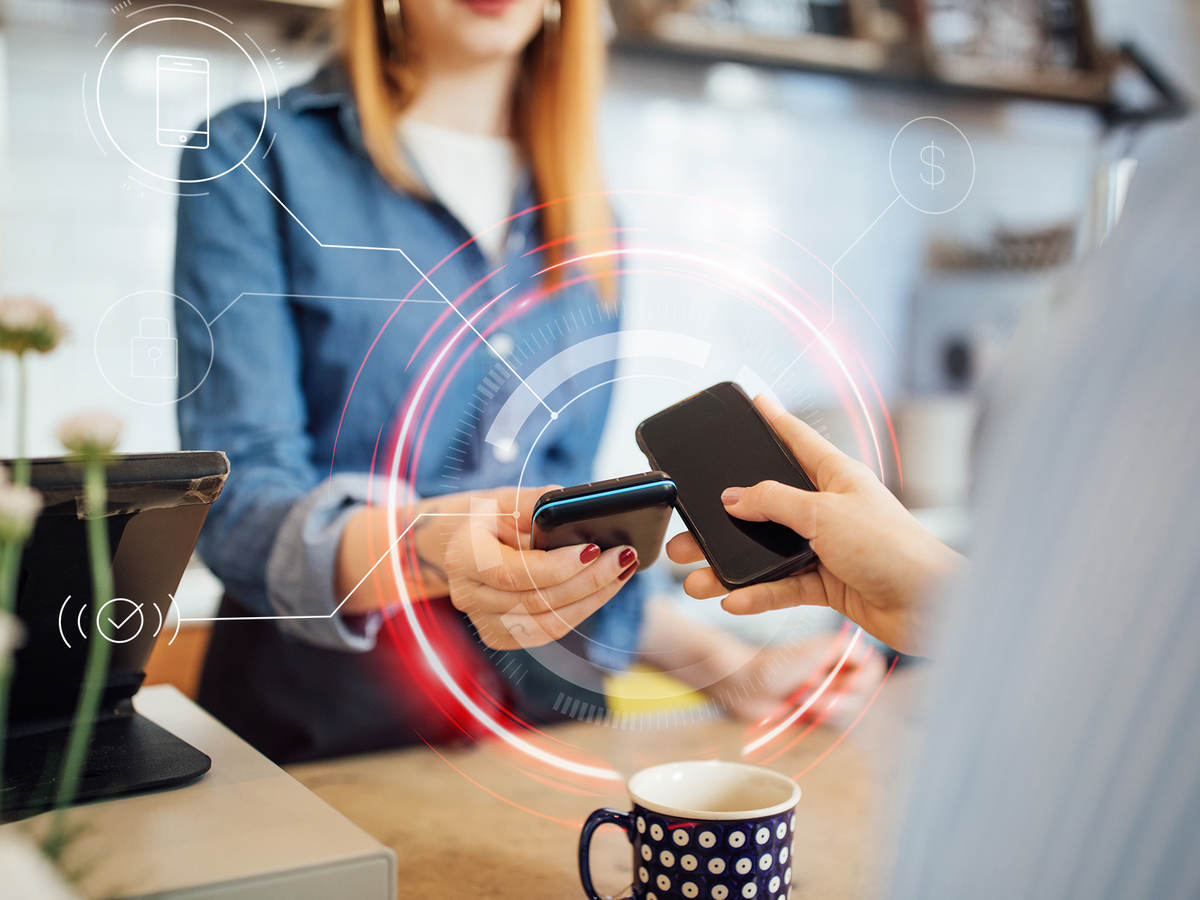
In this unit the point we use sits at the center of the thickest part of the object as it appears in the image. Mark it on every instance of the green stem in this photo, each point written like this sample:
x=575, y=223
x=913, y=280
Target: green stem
x=6, y=668
x=94, y=493
x=10, y=567
x=10, y=551
x=20, y=473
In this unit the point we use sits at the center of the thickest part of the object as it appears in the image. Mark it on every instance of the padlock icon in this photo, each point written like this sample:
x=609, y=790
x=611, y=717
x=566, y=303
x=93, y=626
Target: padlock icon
x=154, y=352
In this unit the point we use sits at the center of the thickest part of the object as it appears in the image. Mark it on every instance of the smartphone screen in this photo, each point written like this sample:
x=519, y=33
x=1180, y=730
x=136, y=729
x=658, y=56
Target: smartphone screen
x=182, y=98
x=714, y=440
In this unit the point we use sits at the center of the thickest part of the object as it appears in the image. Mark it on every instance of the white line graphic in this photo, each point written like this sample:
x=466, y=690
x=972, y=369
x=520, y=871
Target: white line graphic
x=361, y=581
x=833, y=280
x=312, y=297
x=416, y=268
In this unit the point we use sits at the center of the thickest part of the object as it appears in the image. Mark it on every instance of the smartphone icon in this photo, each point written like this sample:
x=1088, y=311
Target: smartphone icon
x=181, y=96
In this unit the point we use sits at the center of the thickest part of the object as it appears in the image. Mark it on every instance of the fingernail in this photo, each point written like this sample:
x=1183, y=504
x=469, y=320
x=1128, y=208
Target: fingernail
x=589, y=553
x=730, y=496
x=627, y=572
x=627, y=556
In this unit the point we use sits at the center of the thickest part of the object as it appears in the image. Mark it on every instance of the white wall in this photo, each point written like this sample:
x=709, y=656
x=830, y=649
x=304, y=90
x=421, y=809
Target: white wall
x=73, y=228
x=804, y=154
x=807, y=156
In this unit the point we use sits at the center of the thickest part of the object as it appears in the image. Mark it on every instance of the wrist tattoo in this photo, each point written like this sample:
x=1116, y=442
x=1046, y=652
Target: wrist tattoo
x=431, y=573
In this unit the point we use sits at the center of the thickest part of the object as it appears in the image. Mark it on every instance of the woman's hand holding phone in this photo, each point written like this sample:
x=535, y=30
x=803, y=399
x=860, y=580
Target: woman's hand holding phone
x=876, y=561
x=471, y=547
x=518, y=597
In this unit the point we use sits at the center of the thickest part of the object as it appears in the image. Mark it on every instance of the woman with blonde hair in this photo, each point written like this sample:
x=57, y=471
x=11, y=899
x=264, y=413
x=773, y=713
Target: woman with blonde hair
x=436, y=122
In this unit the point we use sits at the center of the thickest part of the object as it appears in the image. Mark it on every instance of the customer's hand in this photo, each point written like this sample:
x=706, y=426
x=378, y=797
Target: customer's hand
x=518, y=597
x=876, y=561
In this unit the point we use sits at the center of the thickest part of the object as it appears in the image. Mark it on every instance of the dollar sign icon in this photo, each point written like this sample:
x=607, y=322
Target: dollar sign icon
x=929, y=156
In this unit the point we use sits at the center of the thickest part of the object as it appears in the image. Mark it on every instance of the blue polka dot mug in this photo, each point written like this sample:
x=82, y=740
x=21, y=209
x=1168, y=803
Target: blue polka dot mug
x=704, y=831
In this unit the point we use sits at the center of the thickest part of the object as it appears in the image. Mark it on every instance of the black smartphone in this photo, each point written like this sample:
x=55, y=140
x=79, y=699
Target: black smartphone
x=633, y=510
x=717, y=439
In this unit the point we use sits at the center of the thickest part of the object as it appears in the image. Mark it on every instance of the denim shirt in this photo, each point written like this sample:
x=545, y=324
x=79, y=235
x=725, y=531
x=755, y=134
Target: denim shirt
x=286, y=387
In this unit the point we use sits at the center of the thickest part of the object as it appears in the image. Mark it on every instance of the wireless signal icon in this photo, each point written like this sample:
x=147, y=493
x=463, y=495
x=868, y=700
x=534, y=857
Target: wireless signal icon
x=118, y=621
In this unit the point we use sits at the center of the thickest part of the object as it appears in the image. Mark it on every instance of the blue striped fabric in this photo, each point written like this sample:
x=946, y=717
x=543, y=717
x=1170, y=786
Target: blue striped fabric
x=1063, y=752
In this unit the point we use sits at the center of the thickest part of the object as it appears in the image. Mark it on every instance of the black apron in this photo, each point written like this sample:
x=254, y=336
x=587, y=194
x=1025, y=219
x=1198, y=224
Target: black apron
x=295, y=702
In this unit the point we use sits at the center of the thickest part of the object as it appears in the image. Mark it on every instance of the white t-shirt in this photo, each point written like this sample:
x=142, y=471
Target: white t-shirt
x=472, y=175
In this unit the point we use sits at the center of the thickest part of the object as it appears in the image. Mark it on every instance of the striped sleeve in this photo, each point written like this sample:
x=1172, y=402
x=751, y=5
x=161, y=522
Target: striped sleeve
x=1063, y=751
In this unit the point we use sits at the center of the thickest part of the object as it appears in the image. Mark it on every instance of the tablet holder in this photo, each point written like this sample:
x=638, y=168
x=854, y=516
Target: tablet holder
x=157, y=504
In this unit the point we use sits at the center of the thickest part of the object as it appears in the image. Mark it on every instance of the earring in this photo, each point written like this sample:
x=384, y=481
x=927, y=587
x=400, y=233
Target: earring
x=551, y=13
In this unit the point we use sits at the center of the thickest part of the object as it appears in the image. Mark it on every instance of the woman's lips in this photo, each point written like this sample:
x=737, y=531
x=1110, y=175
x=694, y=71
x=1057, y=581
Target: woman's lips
x=487, y=7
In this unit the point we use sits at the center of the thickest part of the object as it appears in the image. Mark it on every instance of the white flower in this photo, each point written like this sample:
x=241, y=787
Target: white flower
x=90, y=434
x=19, y=313
x=12, y=634
x=19, y=508
x=27, y=323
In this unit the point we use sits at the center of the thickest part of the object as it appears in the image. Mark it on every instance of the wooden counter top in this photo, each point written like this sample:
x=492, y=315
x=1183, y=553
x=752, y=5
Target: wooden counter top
x=458, y=830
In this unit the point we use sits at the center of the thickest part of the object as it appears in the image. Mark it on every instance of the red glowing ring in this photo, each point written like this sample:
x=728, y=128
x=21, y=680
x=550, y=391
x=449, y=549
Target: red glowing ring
x=405, y=434
x=398, y=447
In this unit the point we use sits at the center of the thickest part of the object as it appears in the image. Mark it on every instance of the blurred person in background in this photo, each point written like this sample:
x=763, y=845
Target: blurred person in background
x=437, y=121
x=1062, y=757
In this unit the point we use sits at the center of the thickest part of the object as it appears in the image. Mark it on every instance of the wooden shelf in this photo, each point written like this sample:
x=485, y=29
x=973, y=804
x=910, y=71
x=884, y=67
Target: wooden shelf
x=688, y=34
x=905, y=66
x=956, y=76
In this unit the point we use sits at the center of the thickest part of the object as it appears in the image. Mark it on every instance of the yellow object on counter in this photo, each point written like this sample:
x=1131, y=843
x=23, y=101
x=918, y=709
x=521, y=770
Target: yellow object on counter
x=644, y=690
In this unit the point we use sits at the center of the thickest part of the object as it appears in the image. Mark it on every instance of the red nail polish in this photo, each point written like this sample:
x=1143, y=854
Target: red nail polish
x=589, y=553
x=627, y=556
x=627, y=572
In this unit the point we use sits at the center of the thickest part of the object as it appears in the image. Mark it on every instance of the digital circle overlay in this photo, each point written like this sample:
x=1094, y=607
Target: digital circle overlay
x=932, y=165
x=118, y=616
x=152, y=106
x=667, y=358
x=136, y=347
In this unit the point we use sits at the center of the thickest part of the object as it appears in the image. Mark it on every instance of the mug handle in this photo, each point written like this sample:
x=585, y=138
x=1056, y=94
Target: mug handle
x=600, y=817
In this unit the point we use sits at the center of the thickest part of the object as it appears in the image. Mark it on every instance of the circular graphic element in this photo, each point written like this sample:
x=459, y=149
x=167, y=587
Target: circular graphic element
x=136, y=347
x=420, y=405
x=121, y=627
x=411, y=426
x=932, y=165
x=175, y=97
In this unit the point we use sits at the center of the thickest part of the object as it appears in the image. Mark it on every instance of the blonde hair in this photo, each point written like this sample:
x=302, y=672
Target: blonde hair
x=554, y=120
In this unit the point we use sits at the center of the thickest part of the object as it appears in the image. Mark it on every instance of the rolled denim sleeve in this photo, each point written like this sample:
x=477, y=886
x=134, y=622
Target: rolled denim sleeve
x=301, y=567
x=272, y=536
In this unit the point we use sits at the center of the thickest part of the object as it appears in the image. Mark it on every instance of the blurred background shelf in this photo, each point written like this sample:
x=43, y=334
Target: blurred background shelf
x=1045, y=50
x=940, y=47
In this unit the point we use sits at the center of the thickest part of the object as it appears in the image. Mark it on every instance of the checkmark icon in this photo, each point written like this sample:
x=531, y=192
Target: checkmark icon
x=137, y=608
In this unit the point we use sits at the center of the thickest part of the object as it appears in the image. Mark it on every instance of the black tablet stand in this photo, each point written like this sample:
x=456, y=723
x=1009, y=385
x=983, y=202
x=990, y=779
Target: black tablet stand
x=157, y=504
